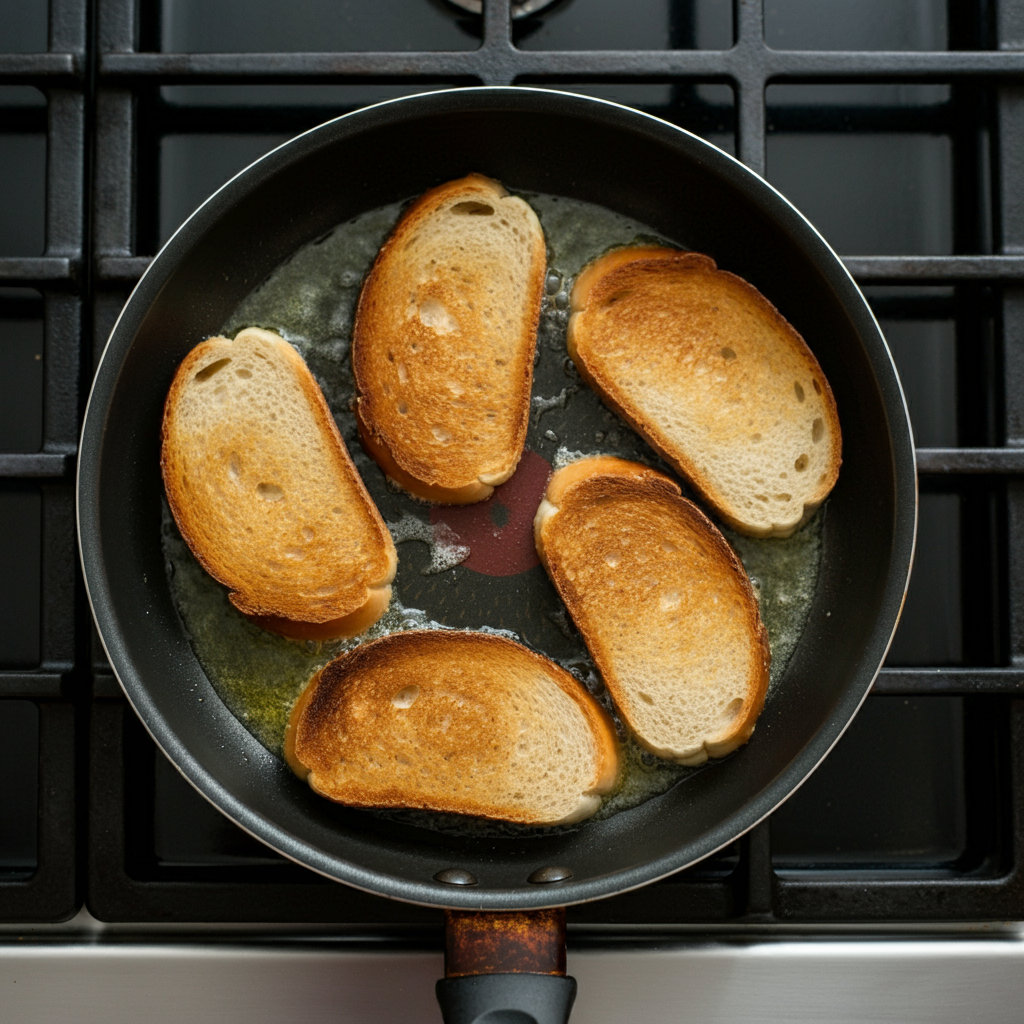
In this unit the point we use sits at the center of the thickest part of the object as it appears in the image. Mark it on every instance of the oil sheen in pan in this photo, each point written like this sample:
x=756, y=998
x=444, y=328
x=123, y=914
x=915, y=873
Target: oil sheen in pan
x=472, y=567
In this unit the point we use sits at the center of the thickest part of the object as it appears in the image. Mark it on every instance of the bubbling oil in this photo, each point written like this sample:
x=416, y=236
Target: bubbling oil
x=310, y=300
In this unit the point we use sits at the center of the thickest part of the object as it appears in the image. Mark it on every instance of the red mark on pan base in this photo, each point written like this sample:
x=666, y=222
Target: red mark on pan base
x=499, y=531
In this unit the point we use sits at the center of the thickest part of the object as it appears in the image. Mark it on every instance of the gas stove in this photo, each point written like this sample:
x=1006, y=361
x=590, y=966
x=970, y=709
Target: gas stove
x=896, y=127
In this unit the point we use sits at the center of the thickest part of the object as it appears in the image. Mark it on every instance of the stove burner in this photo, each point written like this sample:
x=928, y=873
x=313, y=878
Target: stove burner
x=520, y=8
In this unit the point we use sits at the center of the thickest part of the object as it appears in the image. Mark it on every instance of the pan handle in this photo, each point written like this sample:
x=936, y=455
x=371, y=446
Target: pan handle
x=506, y=999
x=505, y=968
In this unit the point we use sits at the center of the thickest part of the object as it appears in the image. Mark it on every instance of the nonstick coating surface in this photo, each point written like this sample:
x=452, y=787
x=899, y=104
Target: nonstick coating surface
x=532, y=140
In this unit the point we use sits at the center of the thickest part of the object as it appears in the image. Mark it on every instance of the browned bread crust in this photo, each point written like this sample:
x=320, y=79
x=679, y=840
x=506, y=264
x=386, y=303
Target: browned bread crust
x=467, y=723
x=709, y=373
x=265, y=494
x=444, y=338
x=664, y=605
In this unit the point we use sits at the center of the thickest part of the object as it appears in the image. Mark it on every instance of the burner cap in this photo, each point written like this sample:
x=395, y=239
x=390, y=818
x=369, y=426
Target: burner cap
x=520, y=8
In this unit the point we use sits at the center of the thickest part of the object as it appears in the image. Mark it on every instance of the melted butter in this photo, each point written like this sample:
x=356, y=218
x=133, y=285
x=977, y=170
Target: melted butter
x=257, y=674
x=310, y=300
x=784, y=572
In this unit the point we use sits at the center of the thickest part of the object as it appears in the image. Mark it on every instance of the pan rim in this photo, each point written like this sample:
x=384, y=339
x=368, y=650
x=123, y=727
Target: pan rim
x=436, y=894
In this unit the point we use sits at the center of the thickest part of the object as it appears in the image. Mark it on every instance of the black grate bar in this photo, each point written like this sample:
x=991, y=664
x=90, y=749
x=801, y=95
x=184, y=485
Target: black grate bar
x=68, y=29
x=995, y=461
x=749, y=77
x=41, y=67
x=31, y=685
x=126, y=269
x=112, y=220
x=51, y=893
x=749, y=63
x=105, y=684
x=192, y=68
x=116, y=21
x=1013, y=359
x=950, y=682
x=756, y=881
x=58, y=632
x=1010, y=239
x=935, y=269
x=498, y=58
x=64, y=170
x=1015, y=574
x=22, y=270
x=62, y=327
x=497, y=25
x=32, y=465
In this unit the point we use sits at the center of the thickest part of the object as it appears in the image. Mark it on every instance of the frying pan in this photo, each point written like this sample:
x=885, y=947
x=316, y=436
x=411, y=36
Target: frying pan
x=539, y=141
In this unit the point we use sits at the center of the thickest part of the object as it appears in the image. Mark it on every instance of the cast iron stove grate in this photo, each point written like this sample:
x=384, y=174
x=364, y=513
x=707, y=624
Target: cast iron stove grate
x=91, y=813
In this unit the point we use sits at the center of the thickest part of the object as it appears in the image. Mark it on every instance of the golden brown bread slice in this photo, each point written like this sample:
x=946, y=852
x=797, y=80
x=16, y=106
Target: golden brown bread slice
x=709, y=373
x=666, y=610
x=265, y=493
x=469, y=723
x=444, y=339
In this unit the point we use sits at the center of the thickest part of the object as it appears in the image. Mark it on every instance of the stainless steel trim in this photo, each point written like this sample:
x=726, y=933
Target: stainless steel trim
x=845, y=981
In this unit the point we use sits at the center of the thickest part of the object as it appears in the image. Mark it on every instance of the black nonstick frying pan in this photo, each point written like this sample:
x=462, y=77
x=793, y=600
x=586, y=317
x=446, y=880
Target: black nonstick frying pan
x=534, y=141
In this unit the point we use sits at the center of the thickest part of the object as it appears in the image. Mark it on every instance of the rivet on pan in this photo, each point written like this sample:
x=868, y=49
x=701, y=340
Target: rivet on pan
x=549, y=874
x=455, y=876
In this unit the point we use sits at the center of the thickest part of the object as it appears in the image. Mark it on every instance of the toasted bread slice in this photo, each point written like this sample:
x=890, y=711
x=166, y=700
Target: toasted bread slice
x=709, y=373
x=265, y=493
x=469, y=723
x=444, y=339
x=666, y=610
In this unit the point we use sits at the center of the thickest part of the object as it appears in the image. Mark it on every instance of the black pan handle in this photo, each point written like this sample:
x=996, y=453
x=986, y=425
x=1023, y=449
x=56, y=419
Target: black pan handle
x=506, y=999
x=505, y=968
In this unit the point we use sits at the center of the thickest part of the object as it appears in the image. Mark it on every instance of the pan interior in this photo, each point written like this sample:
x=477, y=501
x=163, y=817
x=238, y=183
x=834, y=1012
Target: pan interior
x=534, y=142
x=468, y=567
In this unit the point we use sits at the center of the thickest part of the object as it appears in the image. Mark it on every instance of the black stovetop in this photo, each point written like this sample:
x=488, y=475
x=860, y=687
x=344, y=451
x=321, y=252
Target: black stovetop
x=893, y=124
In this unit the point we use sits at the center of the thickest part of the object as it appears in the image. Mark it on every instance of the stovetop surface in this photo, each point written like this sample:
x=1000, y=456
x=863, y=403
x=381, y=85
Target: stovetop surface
x=893, y=125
